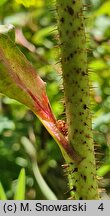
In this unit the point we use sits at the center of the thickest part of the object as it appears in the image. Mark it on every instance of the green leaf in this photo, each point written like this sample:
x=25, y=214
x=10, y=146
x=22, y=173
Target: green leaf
x=104, y=9
x=20, y=192
x=29, y=3
x=19, y=80
x=2, y=193
x=38, y=38
x=103, y=170
x=3, y=2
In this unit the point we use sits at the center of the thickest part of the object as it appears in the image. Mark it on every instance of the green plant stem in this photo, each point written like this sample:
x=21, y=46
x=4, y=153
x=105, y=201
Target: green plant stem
x=82, y=176
x=48, y=193
x=2, y=193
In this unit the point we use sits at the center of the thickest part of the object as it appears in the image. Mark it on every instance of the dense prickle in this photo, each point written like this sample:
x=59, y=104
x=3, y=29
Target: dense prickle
x=83, y=183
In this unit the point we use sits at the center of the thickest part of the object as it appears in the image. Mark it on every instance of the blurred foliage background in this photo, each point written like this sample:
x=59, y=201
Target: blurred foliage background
x=37, y=37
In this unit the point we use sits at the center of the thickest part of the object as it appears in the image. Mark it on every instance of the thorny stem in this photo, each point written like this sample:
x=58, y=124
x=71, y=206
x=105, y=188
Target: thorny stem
x=82, y=176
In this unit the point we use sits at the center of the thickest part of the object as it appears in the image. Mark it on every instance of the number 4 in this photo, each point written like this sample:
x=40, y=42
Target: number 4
x=101, y=207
